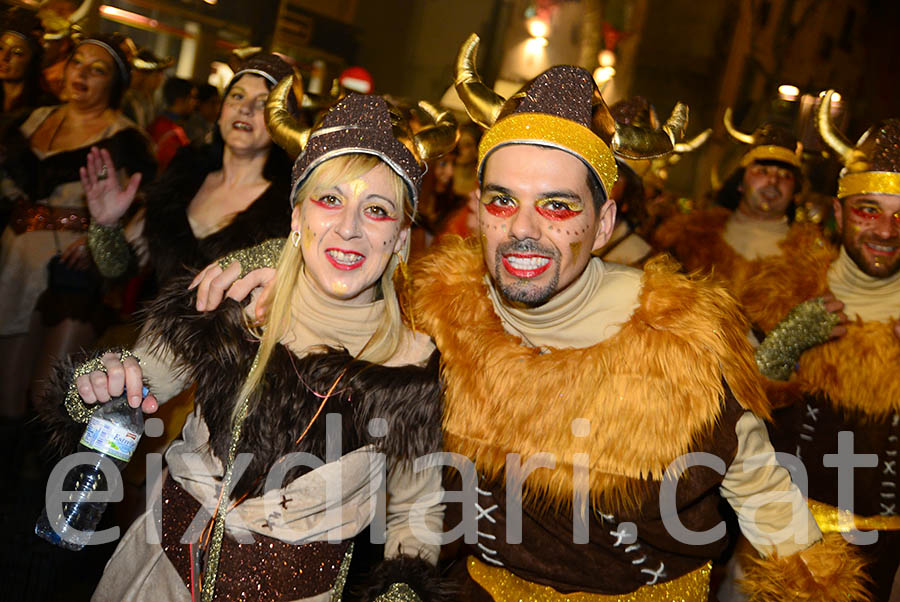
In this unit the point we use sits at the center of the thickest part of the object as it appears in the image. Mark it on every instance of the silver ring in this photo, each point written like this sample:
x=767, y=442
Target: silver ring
x=102, y=175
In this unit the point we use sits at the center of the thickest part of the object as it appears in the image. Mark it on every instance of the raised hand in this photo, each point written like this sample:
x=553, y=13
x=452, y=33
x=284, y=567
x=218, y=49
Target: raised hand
x=107, y=200
x=213, y=284
x=833, y=306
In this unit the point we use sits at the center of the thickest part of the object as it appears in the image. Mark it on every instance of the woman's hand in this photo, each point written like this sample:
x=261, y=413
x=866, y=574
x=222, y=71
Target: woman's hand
x=213, y=284
x=106, y=199
x=76, y=255
x=120, y=376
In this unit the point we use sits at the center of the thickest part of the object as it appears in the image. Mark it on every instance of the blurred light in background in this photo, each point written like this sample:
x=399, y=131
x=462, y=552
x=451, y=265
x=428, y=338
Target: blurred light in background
x=788, y=92
x=537, y=28
x=604, y=74
x=606, y=58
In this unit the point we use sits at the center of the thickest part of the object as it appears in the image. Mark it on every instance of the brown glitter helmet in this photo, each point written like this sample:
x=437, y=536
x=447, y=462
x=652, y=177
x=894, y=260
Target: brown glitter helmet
x=560, y=108
x=872, y=166
x=640, y=112
x=768, y=142
x=358, y=123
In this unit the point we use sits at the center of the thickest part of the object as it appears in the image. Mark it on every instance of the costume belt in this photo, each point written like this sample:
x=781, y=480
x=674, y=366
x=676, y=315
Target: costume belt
x=504, y=585
x=268, y=568
x=29, y=217
x=835, y=520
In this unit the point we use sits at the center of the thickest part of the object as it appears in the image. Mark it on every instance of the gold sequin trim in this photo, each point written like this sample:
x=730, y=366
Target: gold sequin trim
x=807, y=325
x=504, y=585
x=75, y=406
x=109, y=249
x=263, y=255
x=869, y=182
x=834, y=520
x=771, y=152
x=341, y=580
x=399, y=592
x=555, y=132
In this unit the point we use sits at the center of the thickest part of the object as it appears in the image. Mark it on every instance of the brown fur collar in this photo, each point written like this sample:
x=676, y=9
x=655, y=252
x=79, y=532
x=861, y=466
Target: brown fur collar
x=779, y=283
x=852, y=371
x=650, y=392
x=695, y=239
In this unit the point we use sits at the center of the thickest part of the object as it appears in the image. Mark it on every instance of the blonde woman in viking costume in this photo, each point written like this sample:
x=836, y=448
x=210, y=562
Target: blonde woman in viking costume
x=334, y=373
x=847, y=384
x=755, y=211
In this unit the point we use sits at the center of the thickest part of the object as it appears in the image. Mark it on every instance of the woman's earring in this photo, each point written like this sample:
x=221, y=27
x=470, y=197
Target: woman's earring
x=295, y=238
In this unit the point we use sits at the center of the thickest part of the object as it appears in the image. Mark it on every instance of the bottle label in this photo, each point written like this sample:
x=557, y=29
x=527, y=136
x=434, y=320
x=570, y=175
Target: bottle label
x=110, y=438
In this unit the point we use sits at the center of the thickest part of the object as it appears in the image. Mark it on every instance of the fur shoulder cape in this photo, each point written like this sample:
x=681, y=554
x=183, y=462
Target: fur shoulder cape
x=216, y=351
x=853, y=371
x=172, y=243
x=650, y=392
x=695, y=240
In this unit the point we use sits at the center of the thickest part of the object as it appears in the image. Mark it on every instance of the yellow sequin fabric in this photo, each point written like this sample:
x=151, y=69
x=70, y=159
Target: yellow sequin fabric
x=503, y=586
x=833, y=520
x=109, y=249
x=771, y=152
x=807, y=325
x=399, y=592
x=263, y=255
x=869, y=182
x=77, y=409
x=543, y=129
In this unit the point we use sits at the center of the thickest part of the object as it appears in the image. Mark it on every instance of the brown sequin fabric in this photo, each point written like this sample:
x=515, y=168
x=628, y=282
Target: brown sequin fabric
x=359, y=124
x=881, y=146
x=564, y=91
x=636, y=111
x=267, y=569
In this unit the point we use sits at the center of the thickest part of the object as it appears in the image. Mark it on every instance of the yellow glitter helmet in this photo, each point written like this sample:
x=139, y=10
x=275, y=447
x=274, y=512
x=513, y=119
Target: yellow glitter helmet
x=870, y=167
x=560, y=108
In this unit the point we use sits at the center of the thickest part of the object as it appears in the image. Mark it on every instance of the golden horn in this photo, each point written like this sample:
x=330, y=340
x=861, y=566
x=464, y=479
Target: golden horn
x=283, y=127
x=694, y=143
x=736, y=133
x=437, y=139
x=643, y=143
x=82, y=11
x=482, y=104
x=830, y=134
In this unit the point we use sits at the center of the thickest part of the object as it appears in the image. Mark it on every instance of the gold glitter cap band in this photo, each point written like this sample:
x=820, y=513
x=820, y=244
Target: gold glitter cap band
x=833, y=520
x=869, y=182
x=543, y=129
x=771, y=152
x=504, y=585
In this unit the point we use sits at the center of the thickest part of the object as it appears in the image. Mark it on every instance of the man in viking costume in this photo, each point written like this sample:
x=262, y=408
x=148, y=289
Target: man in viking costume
x=613, y=372
x=846, y=385
x=752, y=219
x=576, y=388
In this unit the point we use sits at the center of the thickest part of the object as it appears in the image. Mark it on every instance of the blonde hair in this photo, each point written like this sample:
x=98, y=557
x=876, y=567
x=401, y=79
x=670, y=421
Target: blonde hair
x=387, y=338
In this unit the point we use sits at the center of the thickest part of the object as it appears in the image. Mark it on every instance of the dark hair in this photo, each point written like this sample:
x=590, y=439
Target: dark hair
x=121, y=79
x=597, y=194
x=729, y=195
x=176, y=88
x=206, y=92
x=25, y=23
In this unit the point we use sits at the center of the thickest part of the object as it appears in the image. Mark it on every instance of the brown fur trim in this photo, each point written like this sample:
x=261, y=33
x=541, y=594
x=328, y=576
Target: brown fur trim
x=651, y=392
x=782, y=394
x=868, y=383
x=779, y=283
x=831, y=569
x=695, y=239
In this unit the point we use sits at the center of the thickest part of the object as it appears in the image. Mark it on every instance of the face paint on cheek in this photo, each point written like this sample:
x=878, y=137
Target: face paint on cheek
x=338, y=288
x=308, y=236
x=575, y=247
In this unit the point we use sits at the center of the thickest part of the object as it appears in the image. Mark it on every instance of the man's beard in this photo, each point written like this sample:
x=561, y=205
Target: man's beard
x=883, y=269
x=523, y=291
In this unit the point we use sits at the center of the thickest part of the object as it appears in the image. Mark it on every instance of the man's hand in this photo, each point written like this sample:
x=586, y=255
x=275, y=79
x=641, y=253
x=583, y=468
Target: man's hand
x=214, y=284
x=833, y=306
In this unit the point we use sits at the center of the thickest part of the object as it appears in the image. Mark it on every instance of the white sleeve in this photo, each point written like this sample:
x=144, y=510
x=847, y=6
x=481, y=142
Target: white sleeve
x=415, y=514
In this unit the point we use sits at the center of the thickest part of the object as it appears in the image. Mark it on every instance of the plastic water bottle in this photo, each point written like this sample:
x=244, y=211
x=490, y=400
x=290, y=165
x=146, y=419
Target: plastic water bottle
x=113, y=432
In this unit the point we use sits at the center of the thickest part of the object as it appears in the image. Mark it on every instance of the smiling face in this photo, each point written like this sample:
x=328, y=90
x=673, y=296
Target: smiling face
x=88, y=77
x=15, y=55
x=242, y=121
x=538, y=221
x=870, y=232
x=349, y=232
x=767, y=191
